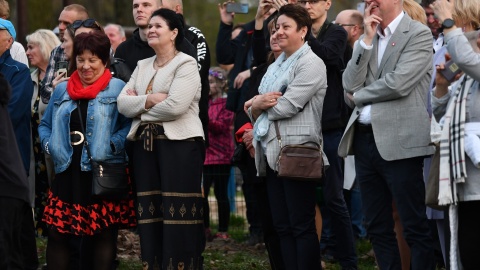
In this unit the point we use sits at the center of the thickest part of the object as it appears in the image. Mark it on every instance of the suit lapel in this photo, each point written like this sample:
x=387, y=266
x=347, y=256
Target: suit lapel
x=396, y=42
x=373, y=60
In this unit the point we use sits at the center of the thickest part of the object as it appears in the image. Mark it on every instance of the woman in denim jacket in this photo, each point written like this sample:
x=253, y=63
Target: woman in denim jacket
x=71, y=211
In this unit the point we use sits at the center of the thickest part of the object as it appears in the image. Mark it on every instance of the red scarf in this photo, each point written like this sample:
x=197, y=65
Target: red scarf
x=77, y=91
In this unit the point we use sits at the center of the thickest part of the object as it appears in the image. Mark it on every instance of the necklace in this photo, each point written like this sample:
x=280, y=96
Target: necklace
x=165, y=63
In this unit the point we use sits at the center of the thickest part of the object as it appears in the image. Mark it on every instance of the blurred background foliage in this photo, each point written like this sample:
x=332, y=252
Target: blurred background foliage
x=30, y=15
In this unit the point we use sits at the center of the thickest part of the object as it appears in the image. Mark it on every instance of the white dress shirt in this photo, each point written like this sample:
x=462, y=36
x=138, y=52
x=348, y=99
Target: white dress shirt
x=383, y=40
x=438, y=43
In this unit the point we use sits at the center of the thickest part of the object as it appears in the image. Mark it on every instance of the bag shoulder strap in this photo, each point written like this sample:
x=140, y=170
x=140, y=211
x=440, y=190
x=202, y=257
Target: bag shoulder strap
x=85, y=143
x=277, y=130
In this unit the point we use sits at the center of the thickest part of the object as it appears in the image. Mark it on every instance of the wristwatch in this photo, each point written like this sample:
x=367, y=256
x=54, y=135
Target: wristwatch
x=448, y=23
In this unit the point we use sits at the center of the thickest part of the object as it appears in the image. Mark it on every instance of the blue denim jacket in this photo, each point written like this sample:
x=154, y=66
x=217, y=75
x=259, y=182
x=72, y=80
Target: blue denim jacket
x=104, y=126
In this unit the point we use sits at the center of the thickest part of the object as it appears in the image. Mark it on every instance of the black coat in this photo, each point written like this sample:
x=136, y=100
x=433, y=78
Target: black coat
x=13, y=177
x=237, y=52
x=330, y=47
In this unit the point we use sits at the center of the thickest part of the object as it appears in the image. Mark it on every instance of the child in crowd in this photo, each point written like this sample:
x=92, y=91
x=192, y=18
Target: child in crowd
x=219, y=153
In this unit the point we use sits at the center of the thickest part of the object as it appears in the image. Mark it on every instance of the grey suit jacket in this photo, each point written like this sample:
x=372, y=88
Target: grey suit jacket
x=298, y=112
x=397, y=91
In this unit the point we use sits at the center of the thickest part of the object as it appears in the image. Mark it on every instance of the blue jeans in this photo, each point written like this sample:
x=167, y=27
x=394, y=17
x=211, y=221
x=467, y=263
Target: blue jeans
x=381, y=182
x=292, y=205
x=337, y=222
x=355, y=208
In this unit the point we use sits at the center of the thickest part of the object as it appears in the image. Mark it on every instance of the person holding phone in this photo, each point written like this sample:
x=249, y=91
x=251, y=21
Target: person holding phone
x=238, y=51
x=39, y=46
x=68, y=15
x=240, y=8
x=455, y=103
x=63, y=68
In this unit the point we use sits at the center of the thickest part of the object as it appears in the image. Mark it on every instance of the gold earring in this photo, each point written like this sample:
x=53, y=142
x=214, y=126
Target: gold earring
x=303, y=38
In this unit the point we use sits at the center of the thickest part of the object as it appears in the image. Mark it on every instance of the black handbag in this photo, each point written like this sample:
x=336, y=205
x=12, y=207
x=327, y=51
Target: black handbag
x=239, y=157
x=119, y=69
x=109, y=180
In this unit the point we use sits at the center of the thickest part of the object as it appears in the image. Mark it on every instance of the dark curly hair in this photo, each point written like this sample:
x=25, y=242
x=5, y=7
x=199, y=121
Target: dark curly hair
x=173, y=21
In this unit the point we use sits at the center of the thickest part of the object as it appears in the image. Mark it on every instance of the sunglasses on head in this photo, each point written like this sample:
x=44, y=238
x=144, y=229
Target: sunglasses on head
x=88, y=23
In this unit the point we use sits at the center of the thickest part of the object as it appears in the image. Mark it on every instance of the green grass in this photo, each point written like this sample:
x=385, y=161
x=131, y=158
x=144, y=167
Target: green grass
x=236, y=256
x=219, y=259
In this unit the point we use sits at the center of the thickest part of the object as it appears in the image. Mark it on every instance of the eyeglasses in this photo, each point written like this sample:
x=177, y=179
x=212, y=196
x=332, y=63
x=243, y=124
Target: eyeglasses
x=311, y=2
x=88, y=23
x=345, y=24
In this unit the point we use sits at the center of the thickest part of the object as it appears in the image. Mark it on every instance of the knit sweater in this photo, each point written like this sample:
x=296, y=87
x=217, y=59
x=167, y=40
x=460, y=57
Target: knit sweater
x=178, y=113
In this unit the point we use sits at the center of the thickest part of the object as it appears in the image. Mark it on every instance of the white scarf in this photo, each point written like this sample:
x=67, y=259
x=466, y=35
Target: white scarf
x=452, y=145
x=278, y=75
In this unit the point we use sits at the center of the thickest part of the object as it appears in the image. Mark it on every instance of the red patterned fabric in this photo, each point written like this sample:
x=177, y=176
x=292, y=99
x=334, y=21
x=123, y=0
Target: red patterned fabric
x=88, y=220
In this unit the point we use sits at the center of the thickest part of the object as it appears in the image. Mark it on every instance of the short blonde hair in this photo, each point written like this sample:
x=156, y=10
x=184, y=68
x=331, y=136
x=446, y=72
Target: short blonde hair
x=467, y=11
x=46, y=40
x=415, y=11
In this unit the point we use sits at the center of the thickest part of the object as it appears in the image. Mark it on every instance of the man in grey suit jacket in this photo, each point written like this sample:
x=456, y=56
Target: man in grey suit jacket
x=389, y=130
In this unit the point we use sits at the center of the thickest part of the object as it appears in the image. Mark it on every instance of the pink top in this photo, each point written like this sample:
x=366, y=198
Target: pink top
x=220, y=134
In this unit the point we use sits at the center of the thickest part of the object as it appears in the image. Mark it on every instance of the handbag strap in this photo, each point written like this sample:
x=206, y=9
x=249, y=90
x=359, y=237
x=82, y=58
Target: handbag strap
x=85, y=143
x=277, y=131
x=279, y=138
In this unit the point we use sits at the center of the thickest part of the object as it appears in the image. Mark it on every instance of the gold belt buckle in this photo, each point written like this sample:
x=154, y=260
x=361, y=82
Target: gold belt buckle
x=82, y=138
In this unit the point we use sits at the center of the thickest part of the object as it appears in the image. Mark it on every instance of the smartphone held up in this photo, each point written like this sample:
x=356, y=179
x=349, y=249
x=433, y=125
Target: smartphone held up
x=240, y=8
x=451, y=71
x=61, y=67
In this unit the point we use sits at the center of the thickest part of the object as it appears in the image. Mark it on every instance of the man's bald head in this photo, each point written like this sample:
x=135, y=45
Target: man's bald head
x=175, y=5
x=352, y=22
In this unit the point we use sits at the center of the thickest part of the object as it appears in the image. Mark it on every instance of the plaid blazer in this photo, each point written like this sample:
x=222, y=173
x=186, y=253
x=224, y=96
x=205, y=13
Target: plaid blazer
x=298, y=112
x=396, y=89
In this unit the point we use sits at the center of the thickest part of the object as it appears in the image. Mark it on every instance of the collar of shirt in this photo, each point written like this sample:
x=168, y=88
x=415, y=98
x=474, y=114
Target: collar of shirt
x=438, y=43
x=391, y=27
x=365, y=115
x=384, y=38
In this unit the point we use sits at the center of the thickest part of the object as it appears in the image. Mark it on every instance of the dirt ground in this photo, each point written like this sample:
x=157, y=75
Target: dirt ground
x=129, y=246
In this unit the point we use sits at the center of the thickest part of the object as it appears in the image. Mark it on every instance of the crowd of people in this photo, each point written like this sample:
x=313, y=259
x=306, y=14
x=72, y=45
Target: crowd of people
x=387, y=93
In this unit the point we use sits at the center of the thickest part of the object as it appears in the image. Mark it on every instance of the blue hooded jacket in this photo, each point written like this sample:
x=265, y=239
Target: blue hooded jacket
x=19, y=107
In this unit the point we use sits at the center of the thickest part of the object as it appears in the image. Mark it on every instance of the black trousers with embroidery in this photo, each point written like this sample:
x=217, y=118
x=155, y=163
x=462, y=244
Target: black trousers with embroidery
x=169, y=204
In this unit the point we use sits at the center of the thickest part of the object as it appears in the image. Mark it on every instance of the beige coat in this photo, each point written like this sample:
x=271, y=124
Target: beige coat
x=178, y=113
